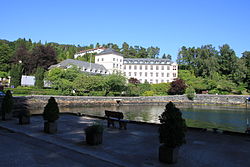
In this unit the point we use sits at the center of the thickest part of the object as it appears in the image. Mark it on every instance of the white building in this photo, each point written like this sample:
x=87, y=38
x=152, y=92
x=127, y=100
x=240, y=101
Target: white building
x=96, y=50
x=150, y=70
x=28, y=80
x=143, y=69
x=111, y=60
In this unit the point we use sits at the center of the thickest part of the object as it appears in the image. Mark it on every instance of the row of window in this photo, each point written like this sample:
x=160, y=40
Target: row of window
x=94, y=71
x=150, y=67
x=145, y=62
x=117, y=66
x=152, y=81
x=114, y=59
x=151, y=74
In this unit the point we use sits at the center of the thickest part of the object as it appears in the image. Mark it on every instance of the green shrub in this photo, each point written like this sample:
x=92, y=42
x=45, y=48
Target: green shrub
x=51, y=110
x=148, y=93
x=95, y=128
x=190, y=93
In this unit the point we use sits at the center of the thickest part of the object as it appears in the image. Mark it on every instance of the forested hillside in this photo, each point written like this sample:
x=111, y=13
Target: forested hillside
x=201, y=68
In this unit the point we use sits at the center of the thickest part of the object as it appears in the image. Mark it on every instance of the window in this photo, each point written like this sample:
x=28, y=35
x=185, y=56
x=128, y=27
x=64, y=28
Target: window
x=97, y=60
x=120, y=66
x=102, y=59
x=156, y=81
x=162, y=81
x=174, y=74
x=151, y=81
x=113, y=65
x=174, y=67
x=135, y=74
x=146, y=67
x=140, y=67
x=120, y=60
x=162, y=74
x=151, y=74
x=140, y=74
x=129, y=74
x=117, y=59
x=151, y=67
x=129, y=67
x=156, y=74
x=168, y=68
x=157, y=67
x=146, y=74
x=162, y=67
x=167, y=74
x=124, y=67
x=135, y=67
x=113, y=59
x=116, y=65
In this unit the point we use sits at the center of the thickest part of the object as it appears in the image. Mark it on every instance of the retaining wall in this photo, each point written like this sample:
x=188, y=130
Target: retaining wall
x=38, y=101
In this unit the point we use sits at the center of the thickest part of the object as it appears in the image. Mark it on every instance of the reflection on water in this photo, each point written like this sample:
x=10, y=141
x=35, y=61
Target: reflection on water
x=222, y=117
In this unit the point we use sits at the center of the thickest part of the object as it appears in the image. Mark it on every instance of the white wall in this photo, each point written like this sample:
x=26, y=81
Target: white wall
x=113, y=63
x=153, y=73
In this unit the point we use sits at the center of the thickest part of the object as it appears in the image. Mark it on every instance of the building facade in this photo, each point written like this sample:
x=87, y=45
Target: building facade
x=152, y=71
x=145, y=70
x=111, y=60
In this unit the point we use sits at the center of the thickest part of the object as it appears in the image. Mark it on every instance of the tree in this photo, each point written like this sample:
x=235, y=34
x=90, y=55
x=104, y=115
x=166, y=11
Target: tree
x=246, y=59
x=227, y=60
x=16, y=75
x=114, y=82
x=133, y=81
x=22, y=55
x=169, y=57
x=177, y=87
x=5, y=54
x=43, y=56
x=39, y=83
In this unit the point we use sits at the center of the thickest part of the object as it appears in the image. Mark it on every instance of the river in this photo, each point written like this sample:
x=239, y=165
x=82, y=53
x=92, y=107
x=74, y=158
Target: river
x=232, y=118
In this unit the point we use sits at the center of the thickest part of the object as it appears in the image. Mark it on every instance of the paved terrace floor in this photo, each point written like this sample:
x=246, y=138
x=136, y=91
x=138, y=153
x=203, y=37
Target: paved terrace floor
x=137, y=146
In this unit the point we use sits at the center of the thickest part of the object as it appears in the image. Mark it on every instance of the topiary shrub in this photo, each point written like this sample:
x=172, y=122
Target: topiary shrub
x=51, y=110
x=7, y=105
x=173, y=127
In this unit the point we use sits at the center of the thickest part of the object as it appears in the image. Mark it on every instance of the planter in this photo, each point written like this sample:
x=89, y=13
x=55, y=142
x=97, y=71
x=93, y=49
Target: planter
x=7, y=116
x=94, y=138
x=50, y=127
x=24, y=120
x=167, y=154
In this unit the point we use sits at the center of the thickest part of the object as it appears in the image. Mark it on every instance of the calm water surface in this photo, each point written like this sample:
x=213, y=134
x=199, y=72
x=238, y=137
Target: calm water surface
x=231, y=118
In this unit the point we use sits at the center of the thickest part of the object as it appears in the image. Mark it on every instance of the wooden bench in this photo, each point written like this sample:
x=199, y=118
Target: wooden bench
x=113, y=116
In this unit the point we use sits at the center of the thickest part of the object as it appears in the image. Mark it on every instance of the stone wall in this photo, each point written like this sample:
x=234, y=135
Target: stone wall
x=38, y=101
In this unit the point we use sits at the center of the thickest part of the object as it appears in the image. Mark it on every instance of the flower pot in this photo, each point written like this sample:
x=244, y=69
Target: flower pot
x=50, y=127
x=7, y=116
x=94, y=138
x=24, y=120
x=167, y=154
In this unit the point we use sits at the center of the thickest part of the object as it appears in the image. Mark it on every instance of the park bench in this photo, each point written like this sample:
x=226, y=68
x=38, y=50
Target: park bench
x=113, y=116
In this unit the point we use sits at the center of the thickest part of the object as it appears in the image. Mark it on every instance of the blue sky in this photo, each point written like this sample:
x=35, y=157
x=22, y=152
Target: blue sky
x=168, y=24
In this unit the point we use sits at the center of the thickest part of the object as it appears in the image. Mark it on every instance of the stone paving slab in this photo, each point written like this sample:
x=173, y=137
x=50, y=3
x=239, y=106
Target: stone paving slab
x=138, y=145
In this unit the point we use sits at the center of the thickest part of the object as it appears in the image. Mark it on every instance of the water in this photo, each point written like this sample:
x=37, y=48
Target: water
x=230, y=118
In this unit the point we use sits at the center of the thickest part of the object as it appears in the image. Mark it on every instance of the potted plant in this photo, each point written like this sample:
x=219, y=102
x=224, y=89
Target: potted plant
x=94, y=134
x=24, y=116
x=171, y=133
x=50, y=115
x=7, y=105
